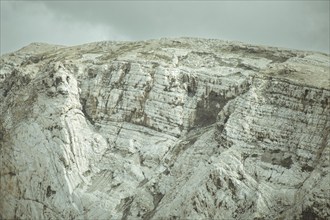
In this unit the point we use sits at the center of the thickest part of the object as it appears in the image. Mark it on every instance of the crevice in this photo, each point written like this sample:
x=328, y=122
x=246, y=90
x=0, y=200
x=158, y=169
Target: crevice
x=157, y=197
x=84, y=110
x=127, y=203
x=50, y=192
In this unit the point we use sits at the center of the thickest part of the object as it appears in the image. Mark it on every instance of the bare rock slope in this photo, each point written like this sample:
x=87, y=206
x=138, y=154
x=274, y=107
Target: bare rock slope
x=164, y=129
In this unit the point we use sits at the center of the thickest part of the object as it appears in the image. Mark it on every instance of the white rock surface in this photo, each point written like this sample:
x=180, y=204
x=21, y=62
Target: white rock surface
x=163, y=129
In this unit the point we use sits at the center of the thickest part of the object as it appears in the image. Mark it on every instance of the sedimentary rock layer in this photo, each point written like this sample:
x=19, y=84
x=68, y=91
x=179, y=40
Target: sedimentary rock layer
x=173, y=128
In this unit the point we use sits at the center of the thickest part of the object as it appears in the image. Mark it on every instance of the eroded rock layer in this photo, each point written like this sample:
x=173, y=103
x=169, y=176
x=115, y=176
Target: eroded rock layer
x=173, y=128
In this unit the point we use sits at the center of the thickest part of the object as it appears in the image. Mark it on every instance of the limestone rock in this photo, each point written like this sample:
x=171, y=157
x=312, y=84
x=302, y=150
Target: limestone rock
x=172, y=128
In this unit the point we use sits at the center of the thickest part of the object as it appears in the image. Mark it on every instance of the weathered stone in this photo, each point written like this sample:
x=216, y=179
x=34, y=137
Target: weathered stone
x=172, y=128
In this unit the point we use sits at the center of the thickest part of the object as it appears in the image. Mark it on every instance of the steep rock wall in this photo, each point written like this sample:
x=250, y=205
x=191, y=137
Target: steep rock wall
x=185, y=128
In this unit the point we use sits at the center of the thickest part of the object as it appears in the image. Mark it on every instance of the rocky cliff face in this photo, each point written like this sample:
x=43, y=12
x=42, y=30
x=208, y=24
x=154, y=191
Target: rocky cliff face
x=164, y=129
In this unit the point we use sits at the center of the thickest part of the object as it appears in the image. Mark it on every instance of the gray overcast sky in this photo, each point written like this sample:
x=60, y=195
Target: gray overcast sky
x=292, y=24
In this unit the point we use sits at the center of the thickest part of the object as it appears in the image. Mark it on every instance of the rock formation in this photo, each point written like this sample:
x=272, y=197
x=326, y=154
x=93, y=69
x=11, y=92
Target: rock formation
x=164, y=129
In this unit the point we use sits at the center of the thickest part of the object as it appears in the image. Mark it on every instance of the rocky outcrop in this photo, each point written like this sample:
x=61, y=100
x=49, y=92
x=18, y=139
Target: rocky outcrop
x=163, y=129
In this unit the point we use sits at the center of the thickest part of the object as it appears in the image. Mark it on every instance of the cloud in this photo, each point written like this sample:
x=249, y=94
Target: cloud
x=292, y=24
x=26, y=22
